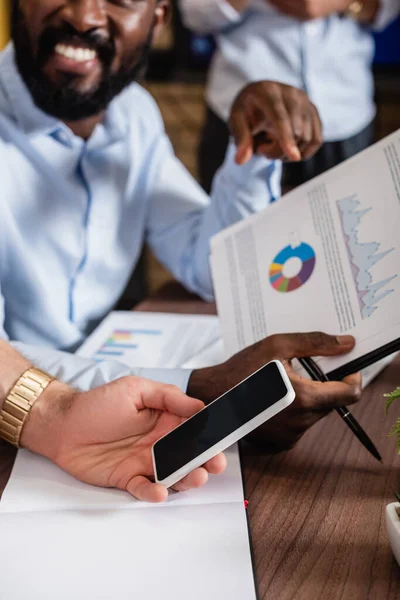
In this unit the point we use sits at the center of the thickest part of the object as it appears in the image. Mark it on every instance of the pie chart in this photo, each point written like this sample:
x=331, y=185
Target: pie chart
x=283, y=284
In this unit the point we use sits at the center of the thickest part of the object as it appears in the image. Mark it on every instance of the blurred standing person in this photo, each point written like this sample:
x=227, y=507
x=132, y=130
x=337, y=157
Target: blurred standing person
x=324, y=47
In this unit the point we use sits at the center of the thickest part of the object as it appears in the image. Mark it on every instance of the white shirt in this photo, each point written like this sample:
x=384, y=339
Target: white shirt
x=74, y=215
x=328, y=58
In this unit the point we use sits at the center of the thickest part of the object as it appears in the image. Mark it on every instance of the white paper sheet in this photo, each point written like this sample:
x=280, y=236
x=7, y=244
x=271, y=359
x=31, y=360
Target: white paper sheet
x=212, y=355
x=326, y=257
x=37, y=484
x=185, y=553
x=151, y=339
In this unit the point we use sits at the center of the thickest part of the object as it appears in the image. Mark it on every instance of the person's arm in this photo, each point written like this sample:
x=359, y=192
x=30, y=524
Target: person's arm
x=12, y=365
x=182, y=218
x=102, y=437
x=87, y=374
x=210, y=16
x=375, y=13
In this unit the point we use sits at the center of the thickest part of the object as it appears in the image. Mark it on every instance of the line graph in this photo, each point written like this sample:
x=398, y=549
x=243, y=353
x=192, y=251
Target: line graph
x=363, y=256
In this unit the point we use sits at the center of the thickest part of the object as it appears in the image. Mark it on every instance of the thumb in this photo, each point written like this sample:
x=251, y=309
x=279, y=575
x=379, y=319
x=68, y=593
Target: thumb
x=242, y=136
x=171, y=399
x=299, y=345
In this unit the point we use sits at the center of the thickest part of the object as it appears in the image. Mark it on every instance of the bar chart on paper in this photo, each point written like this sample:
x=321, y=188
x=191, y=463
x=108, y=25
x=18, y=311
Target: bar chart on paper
x=121, y=341
x=151, y=340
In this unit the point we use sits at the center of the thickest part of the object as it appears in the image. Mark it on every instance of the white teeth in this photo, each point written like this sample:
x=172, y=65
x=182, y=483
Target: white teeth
x=89, y=54
x=76, y=54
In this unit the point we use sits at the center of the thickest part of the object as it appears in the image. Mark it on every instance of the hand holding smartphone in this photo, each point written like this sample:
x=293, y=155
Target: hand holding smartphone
x=222, y=423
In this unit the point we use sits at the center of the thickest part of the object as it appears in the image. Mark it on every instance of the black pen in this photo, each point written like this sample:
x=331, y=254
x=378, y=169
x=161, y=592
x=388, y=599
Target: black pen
x=316, y=373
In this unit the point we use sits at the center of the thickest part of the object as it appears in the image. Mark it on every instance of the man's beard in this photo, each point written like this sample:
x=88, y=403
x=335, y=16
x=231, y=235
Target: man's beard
x=63, y=101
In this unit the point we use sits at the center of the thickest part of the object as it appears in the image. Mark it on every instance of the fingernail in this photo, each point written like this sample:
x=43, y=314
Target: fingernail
x=247, y=154
x=295, y=153
x=239, y=157
x=345, y=340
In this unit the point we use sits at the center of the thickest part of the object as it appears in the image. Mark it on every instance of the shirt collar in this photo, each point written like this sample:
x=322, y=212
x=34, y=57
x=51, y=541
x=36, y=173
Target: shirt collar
x=32, y=120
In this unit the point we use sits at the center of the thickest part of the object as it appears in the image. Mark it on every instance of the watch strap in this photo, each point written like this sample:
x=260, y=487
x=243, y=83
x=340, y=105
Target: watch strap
x=19, y=402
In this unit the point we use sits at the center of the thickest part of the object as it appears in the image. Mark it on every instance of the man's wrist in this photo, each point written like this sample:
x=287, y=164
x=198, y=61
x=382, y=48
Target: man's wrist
x=14, y=370
x=43, y=430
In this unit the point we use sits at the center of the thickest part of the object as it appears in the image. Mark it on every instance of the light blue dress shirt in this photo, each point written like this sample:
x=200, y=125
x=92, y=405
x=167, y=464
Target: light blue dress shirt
x=74, y=215
x=328, y=58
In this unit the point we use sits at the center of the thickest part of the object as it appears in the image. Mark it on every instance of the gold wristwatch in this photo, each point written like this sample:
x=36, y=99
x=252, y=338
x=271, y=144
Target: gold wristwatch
x=19, y=402
x=355, y=9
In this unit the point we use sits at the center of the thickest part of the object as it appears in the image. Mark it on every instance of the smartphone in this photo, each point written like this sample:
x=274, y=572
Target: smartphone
x=222, y=423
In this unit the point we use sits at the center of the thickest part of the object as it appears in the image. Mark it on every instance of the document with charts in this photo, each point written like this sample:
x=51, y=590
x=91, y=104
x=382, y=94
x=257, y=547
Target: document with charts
x=140, y=339
x=325, y=257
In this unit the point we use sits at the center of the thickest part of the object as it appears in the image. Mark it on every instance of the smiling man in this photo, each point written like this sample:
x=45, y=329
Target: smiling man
x=76, y=57
x=87, y=174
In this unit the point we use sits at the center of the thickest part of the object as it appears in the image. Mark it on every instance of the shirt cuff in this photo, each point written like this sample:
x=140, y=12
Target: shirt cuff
x=249, y=187
x=87, y=374
x=388, y=11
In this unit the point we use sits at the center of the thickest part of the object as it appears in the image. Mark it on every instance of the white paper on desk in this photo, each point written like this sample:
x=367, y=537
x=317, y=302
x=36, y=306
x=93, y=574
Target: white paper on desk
x=151, y=339
x=212, y=355
x=37, y=484
x=344, y=227
x=190, y=553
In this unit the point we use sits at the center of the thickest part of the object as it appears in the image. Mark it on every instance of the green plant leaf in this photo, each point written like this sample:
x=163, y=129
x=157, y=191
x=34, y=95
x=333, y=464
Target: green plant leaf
x=396, y=431
x=390, y=398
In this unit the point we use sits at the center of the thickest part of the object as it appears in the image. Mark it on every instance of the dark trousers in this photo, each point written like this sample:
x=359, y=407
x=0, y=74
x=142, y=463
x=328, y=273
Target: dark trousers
x=215, y=139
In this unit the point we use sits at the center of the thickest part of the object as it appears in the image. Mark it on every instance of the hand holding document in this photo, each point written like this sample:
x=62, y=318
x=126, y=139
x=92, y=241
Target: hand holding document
x=324, y=258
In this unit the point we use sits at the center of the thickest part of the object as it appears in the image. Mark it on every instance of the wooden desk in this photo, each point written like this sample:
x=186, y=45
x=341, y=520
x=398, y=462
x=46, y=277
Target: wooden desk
x=317, y=513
